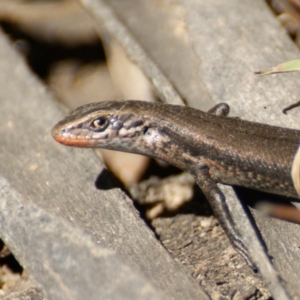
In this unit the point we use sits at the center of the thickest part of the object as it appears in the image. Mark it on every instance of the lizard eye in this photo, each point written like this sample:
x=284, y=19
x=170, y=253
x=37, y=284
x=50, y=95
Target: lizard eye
x=99, y=124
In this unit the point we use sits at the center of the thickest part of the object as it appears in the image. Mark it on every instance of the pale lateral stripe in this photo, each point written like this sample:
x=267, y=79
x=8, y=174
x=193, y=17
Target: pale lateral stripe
x=296, y=171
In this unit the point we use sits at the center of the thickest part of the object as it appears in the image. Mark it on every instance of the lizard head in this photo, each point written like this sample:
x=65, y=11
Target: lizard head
x=116, y=125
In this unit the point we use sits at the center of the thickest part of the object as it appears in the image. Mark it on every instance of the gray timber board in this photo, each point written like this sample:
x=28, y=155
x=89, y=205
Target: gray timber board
x=52, y=213
x=63, y=260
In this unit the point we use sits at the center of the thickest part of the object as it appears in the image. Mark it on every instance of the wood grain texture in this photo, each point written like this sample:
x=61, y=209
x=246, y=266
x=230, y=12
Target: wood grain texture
x=60, y=182
x=61, y=258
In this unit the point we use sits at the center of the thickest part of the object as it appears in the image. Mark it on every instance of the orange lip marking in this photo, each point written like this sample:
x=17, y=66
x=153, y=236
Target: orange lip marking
x=70, y=142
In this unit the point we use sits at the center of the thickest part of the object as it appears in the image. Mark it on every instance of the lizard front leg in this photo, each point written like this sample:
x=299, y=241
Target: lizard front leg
x=220, y=208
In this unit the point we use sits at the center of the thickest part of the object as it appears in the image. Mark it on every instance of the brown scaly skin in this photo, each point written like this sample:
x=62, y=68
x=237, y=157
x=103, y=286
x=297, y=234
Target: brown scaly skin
x=212, y=147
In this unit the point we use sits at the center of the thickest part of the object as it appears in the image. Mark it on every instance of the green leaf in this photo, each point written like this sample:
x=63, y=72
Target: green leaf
x=289, y=66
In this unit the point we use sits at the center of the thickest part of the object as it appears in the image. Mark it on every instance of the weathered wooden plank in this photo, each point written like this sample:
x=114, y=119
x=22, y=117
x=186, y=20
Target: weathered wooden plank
x=223, y=44
x=238, y=43
x=61, y=181
x=62, y=259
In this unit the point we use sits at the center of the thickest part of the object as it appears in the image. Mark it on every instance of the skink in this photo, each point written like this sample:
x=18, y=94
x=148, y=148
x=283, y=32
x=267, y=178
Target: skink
x=211, y=146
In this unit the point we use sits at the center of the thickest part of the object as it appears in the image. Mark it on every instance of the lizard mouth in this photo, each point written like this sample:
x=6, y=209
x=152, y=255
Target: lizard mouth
x=75, y=141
